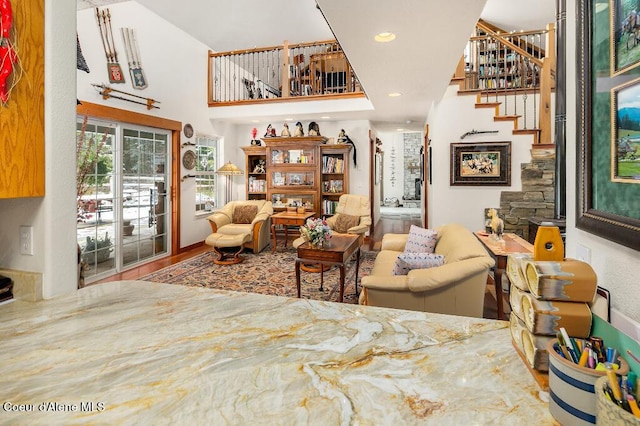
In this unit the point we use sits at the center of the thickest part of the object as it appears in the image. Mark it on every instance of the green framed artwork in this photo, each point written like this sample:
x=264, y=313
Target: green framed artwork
x=624, y=35
x=608, y=201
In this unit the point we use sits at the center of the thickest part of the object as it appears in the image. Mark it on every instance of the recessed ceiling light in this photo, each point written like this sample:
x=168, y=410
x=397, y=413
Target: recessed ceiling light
x=400, y=130
x=384, y=37
x=288, y=119
x=395, y=94
x=255, y=121
x=325, y=117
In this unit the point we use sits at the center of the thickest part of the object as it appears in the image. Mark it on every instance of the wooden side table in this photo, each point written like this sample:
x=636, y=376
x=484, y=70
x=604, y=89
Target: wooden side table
x=500, y=250
x=287, y=219
x=337, y=251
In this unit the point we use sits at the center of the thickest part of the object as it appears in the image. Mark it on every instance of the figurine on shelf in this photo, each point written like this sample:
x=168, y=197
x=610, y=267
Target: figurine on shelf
x=269, y=131
x=254, y=141
x=260, y=167
x=342, y=136
x=314, y=129
x=299, y=130
x=285, y=131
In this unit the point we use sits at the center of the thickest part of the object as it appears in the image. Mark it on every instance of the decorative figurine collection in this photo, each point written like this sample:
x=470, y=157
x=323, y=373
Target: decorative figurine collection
x=314, y=130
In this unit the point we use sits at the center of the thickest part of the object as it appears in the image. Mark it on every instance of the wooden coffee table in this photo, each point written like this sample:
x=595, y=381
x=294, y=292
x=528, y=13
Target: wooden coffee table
x=287, y=219
x=337, y=251
x=500, y=251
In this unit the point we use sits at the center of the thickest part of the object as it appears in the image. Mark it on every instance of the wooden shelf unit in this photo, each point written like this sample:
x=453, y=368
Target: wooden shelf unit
x=256, y=182
x=298, y=168
x=334, y=172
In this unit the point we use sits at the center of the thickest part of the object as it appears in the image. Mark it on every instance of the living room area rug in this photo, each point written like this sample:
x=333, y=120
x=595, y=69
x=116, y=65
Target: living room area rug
x=265, y=273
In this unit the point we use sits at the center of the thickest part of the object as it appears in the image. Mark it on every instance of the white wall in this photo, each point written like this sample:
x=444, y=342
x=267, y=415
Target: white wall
x=617, y=267
x=175, y=66
x=448, y=120
x=53, y=215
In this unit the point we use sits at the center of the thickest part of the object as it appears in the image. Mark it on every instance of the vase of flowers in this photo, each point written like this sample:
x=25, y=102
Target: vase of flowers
x=316, y=232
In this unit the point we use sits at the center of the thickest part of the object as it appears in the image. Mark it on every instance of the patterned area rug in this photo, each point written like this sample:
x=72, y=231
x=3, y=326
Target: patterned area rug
x=264, y=273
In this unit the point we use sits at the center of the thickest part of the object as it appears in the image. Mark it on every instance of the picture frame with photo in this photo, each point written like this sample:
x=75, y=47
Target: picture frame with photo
x=486, y=163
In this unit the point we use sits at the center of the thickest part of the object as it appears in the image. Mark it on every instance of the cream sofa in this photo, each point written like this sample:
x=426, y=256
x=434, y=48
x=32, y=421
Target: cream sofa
x=259, y=229
x=457, y=287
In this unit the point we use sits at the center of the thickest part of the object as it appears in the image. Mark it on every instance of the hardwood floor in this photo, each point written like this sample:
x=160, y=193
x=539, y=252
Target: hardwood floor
x=398, y=224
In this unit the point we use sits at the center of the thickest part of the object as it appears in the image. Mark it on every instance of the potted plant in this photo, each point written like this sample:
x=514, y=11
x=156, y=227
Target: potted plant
x=97, y=249
x=127, y=227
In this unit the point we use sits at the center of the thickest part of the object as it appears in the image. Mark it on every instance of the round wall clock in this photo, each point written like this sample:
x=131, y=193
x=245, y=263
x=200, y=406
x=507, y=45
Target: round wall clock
x=188, y=130
x=189, y=159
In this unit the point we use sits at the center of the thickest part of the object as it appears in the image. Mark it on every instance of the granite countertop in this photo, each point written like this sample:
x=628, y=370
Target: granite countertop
x=133, y=352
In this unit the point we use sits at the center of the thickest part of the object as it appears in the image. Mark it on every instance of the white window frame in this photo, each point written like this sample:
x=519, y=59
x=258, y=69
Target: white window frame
x=206, y=175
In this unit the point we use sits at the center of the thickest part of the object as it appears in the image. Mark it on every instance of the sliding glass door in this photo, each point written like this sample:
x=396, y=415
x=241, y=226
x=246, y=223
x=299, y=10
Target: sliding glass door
x=144, y=189
x=123, y=207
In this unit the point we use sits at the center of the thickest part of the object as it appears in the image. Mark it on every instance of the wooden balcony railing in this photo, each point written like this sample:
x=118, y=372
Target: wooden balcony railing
x=300, y=71
x=515, y=70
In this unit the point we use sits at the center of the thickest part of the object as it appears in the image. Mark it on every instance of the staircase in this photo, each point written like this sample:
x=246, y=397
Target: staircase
x=512, y=73
x=518, y=87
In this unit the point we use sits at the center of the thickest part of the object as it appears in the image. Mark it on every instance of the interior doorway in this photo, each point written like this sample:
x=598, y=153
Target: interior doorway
x=403, y=171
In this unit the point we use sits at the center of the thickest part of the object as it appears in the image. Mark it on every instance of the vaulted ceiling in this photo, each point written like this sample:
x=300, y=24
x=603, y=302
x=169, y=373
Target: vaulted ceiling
x=430, y=39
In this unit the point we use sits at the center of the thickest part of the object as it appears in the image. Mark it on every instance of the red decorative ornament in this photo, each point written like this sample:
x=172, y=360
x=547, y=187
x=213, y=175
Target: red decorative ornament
x=8, y=55
x=254, y=133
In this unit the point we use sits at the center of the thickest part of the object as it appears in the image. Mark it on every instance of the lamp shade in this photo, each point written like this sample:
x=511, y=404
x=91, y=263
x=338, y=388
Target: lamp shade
x=229, y=169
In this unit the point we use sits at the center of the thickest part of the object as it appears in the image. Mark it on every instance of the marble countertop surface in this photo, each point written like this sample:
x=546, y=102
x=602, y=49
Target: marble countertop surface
x=133, y=352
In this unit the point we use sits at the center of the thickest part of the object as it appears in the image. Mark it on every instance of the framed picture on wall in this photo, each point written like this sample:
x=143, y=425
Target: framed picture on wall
x=624, y=36
x=487, y=163
x=625, y=139
x=606, y=206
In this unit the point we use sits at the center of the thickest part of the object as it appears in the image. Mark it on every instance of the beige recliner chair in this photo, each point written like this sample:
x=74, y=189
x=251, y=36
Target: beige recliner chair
x=258, y=227
x=355, y=206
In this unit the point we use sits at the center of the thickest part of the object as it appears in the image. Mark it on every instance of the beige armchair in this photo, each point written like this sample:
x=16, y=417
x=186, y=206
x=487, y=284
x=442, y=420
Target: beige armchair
x=259, y=226
x=352, y=205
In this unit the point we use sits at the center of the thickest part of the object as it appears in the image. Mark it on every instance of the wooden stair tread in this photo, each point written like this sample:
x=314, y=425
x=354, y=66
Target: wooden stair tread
x=526, y=131
x=506, y=117
x=487, y=104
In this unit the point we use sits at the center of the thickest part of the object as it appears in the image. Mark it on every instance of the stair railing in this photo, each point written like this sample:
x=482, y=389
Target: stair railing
x=302, y=71
x=514, y=70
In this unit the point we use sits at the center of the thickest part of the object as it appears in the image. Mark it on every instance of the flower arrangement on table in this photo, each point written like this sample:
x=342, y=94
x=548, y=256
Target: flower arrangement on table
x=316, y=231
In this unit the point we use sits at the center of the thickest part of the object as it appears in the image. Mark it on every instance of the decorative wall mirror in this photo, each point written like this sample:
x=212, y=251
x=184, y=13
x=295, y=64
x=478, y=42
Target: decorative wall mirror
x=607, y=206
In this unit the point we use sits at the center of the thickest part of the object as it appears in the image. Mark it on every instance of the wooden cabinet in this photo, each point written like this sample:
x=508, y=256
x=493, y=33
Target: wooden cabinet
x=22, y=170
x=298, y=170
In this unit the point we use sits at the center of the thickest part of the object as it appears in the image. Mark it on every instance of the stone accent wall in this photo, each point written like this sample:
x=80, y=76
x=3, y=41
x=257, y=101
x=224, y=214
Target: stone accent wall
x=412, y=144
x=536, y=199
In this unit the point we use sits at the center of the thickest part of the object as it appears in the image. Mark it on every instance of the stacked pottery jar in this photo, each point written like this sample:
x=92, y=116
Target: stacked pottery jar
x=548, y=293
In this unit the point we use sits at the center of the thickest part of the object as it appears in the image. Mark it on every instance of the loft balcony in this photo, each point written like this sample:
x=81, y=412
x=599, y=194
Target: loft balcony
x=296, y=72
